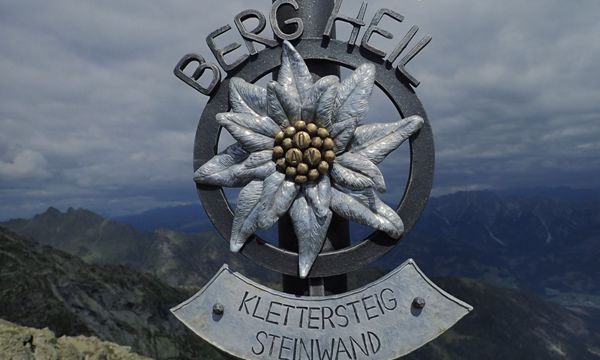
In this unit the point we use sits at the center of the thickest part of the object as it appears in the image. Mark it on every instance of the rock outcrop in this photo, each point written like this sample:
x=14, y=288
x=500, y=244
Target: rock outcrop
x=24, y=343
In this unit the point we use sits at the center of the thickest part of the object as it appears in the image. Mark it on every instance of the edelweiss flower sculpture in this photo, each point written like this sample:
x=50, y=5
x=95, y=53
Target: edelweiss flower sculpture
x=300, y=149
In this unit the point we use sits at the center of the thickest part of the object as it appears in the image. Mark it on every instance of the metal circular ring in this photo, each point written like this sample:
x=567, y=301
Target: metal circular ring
x=416, y=192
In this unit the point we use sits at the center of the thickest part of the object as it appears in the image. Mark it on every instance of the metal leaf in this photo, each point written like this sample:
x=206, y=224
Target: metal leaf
x=310, y=230
x=232, y=155
x=234, y=167
x=390, y=214
x=278, y=195
x=260, y=124
x=324, y=109
x=376, y=141
x=282, y=106
x=349, y=179
x=320, y=101
x=349, y=207
x=245, y=97
x=366, y=196
x=245, y=219
x=319, y=196
x=369, y=198
x=351, y=104
x=251, y=133
x=294, y=74
x=356, y=172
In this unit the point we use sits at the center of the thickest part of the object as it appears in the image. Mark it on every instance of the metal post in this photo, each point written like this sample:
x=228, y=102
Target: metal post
x=314, y=14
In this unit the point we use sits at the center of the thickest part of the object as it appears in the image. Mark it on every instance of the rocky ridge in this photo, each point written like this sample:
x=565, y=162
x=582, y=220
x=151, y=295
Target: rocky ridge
x=25, y=343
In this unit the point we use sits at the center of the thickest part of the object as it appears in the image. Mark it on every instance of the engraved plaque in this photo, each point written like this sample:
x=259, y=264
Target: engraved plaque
x=384, y=320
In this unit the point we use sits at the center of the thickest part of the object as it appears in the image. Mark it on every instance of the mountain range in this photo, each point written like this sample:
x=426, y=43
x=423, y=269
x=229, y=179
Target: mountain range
x=43, y=287
x=173, y=256
x=545, y=240
x=537, y=242
x=190, y=219
x=117, y=282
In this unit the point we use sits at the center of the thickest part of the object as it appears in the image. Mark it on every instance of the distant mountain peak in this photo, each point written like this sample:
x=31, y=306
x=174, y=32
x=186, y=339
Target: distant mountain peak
x=52, y=211
x=71, y=211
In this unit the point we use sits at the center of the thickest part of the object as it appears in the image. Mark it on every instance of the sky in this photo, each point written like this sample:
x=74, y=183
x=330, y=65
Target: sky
x=91, y=115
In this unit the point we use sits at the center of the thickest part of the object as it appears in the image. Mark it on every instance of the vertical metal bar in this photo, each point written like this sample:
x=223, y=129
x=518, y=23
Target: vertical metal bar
x=316, y=287
x=287, y=240
x=314, y=14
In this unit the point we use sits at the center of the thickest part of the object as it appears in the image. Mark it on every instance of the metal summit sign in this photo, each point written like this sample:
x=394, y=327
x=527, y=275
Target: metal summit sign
x=383, y=320
x=304, y=160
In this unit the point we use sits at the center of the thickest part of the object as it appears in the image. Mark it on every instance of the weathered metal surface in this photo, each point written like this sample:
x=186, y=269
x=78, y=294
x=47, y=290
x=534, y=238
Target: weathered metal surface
x=421, y=171
x=384, y=320
x=251, y=36
x=356, y=23
x=309, y=133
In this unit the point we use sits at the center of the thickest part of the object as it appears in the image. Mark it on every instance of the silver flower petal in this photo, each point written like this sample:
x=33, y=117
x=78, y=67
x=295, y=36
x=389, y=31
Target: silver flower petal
x=276, y=200
x=234, y=167
x=283, y=107
x=294, y=74
x=324, y=108
x=356, y=172
x=245, y=219
x=390, y=214
x=245, y=97
x=376, y=141
x=350, y=179
x=310, y=230
x=352, y=104
x=233, y=154
x=250, y=131
x=369, y=198
x=353, y=209
x=319, y=196
x=260, y=124
x=366, y=197
x=321, y=101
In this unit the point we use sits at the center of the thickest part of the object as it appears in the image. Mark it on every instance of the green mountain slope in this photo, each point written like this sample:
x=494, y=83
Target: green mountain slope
x=43, y=287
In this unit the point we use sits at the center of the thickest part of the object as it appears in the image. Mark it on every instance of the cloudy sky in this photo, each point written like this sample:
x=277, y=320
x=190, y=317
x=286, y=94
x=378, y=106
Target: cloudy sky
x=91, y=115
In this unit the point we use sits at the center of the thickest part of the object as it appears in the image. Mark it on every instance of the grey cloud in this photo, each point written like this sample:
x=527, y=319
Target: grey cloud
x=514, y=98
x=26, y=164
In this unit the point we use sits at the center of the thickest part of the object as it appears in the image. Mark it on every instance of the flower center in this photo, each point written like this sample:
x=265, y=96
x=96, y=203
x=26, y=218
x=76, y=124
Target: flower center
x=303, y=152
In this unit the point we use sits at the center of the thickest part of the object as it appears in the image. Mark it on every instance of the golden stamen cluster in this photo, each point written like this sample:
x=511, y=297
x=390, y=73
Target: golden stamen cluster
x=303, y=152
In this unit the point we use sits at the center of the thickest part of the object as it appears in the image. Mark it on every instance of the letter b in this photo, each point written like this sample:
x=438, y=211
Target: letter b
x=202, y=67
